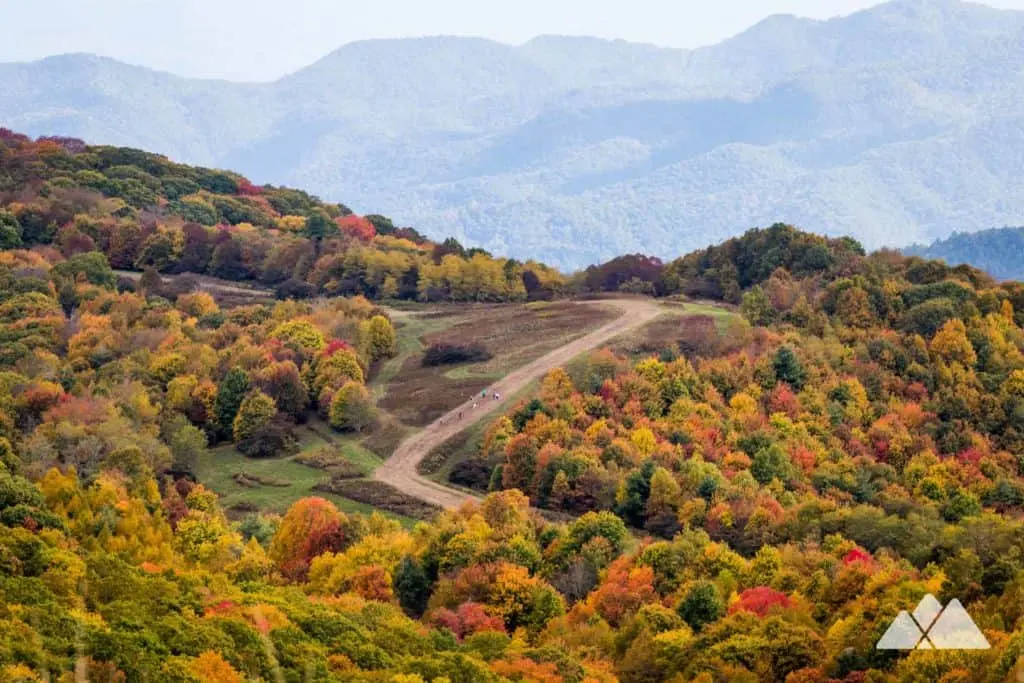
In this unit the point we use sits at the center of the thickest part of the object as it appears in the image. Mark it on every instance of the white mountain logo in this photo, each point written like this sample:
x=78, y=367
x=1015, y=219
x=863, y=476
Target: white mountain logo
x=931, y=627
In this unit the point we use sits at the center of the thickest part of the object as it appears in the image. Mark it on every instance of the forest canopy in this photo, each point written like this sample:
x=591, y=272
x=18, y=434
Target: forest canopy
x=754, y=500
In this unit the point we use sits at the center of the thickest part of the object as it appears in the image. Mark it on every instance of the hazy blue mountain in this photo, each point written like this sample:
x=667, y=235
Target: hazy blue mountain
x=1000, y=251
x=898, y=124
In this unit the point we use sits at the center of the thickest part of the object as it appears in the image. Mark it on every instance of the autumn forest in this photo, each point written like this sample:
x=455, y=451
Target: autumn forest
x=808, y=440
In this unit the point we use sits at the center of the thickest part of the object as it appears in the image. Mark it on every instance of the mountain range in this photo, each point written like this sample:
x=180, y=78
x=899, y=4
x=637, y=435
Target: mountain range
x=898, y=124
x=997, y=251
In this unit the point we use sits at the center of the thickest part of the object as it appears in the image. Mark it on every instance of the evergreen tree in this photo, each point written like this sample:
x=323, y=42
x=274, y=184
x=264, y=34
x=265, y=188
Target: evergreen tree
x=788, y=368
x=412, y=586
x=631, y=503
x=701, y=606
x=230, y=394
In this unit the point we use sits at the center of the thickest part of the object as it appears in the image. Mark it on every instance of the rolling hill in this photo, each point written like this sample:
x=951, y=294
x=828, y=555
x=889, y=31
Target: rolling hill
x=898, y=124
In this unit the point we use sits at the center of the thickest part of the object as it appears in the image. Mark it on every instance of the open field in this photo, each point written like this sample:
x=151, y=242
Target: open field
x=663, y=331
x=515, y=334
x=401, y=469
x=273, y=484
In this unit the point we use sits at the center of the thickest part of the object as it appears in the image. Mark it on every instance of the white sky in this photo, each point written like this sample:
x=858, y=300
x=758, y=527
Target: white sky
x=264, y=39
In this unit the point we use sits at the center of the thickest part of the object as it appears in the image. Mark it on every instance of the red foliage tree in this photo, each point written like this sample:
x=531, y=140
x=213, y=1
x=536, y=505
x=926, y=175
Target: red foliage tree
x=356, y=227
x=857, y=556
x=783, y=400
x=467, y=619
x=624, y=590
x=760, y=601
x=334, y=345
x=247, y=189
x=311, y=527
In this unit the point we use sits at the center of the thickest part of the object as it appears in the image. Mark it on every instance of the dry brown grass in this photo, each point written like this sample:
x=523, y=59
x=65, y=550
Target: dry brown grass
x=515, y=334
x=664, y=331
x=381, y=496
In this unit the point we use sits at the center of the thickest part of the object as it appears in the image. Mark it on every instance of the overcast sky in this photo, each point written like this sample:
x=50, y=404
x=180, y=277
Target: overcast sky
x=263, y=39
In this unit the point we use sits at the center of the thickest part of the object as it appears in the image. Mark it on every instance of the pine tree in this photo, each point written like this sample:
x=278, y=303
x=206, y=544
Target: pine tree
x=230, y=393
x=412, y=586
x=788, y=368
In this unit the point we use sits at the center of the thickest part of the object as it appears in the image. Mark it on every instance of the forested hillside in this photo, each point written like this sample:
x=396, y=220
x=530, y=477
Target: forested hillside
x=143, y=211
x=896, y=124
x=756, y=501
x=999, y=252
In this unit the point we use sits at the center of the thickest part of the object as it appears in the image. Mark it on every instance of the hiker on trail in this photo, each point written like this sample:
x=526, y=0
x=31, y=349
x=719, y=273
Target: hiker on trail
x=483, y=394
x=474, y=406
x=497, y=396
x=460, y=414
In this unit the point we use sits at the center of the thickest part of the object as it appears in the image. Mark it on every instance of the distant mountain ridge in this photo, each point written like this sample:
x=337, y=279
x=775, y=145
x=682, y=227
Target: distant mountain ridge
x=898, y=124
x=1000, y=251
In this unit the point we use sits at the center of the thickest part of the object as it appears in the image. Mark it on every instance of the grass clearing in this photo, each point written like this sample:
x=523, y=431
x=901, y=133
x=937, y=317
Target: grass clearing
x=515, y=334
x=273, y=484
x=663, y=331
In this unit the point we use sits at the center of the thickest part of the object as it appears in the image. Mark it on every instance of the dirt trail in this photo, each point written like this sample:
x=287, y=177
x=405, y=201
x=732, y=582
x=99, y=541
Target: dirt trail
x=206, y=283
x=400, y=470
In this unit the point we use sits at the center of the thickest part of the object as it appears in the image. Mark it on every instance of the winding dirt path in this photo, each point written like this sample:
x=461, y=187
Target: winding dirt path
x=400, y=470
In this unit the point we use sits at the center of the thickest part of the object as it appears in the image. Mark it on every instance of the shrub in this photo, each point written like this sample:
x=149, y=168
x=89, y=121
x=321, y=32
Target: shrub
x=294, y=289
x=449, y=354
x=274, y=439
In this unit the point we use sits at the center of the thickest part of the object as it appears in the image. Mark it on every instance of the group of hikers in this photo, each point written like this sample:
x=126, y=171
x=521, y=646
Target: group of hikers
x=474, y=400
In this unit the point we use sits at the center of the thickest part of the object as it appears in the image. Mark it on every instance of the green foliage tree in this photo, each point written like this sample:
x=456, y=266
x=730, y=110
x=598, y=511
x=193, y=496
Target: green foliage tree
x=788, y=368
x=757, y=308
x=702, y=606
x=10, y=230
x=352, y=408
x=230, y=394
x=770, y=463
x=412, y=586
x=254, y=412
x=188, y=445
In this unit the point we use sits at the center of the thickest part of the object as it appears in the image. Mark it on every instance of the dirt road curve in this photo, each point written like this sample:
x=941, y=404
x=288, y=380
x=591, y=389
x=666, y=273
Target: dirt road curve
x=400, y=470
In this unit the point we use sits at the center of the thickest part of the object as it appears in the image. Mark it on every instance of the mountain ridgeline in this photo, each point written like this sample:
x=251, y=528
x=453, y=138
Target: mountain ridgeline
x=999, y=251
x=896, y=124
x=144, y=212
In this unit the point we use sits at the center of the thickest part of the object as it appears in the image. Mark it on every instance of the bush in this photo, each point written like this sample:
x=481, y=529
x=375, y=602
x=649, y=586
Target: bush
x=275, y=439
x=330, y=459
x=473, y=473
x=294, y=289
x=449, y=354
